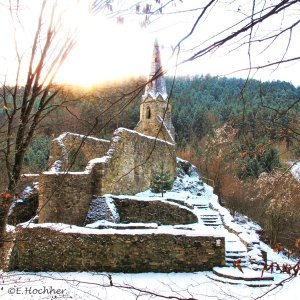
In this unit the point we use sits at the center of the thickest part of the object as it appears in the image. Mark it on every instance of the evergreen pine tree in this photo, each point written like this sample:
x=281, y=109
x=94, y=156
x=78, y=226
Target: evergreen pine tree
x=162, y=181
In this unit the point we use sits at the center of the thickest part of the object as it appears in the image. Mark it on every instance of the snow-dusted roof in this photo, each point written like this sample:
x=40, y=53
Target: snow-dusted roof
x=156, y=82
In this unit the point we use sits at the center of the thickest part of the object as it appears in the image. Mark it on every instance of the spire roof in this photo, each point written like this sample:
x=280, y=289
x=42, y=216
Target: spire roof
x=157, y=86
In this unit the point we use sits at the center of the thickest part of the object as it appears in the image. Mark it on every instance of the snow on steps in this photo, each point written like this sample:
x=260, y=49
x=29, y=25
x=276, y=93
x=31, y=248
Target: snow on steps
x=201, y=205
x=211, y=218
x=235, y=250
x=247, y=277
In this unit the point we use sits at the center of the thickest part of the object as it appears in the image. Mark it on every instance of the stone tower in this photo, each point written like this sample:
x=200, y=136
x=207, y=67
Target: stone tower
x=155, y=109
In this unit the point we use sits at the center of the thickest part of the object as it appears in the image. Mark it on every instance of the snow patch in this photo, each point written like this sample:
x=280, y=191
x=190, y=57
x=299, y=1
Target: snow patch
x=295, y=170
x=106, y=224
x=102, y=208
x=167, y=229
x=56, y=167
x=61, y=137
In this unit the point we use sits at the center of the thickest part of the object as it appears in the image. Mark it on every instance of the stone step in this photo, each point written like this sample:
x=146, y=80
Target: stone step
x=212, y=218
x=236, y=254
x=230, y=265
x=242, y=260
x=246, y=274
x=234, y=247
x=232, y=259
x=209, y=220
x=213, y=225
x=201, y=205
x=212, y=222
x=210, y=215
x=242, y=263
x=259, y=283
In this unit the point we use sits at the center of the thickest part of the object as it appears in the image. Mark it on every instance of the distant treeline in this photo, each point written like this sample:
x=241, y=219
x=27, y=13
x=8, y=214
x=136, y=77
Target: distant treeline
x=259, y=110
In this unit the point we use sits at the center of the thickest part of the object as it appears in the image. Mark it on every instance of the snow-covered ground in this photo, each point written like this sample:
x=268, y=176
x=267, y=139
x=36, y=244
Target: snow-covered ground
x=20, y=285
x=213, y=220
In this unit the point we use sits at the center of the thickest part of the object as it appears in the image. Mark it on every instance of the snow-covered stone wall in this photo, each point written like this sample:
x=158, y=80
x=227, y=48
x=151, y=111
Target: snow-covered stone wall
x=131, y=161
x=158, y=211
x=68, y=143
x=126, y=168
x=45, y=249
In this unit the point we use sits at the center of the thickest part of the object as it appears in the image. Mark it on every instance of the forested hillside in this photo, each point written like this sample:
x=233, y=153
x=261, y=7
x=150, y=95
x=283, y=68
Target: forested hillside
x=240, y=134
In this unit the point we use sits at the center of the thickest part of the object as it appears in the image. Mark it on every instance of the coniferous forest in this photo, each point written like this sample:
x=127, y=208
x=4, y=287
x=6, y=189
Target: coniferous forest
x=242, y=135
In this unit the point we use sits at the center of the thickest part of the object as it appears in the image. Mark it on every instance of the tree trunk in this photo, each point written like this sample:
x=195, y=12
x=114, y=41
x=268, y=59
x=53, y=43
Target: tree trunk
x=5, y=203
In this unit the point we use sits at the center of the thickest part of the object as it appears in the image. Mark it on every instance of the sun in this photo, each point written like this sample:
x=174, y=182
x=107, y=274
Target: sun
x=107, y=51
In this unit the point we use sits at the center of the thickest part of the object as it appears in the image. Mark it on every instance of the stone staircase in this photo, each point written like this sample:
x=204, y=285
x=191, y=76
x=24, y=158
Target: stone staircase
x=235, y=250
x=211, y=218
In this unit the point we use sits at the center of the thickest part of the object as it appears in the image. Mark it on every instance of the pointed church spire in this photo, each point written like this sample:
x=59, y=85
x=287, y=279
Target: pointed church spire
x=156, y=86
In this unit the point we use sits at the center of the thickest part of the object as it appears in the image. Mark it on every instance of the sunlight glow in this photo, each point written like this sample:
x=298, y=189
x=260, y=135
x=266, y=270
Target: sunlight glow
x=107, y=51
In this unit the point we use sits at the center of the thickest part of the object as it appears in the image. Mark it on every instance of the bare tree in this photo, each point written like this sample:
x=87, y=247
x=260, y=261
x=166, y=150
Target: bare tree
x=24, y=108
x=26, y=103
x=263, y=32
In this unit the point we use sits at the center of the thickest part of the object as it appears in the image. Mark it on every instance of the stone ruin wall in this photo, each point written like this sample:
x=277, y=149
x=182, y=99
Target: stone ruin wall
x=44, y=249
x=67, y=142
x=126, y=169
x=132, y=159
x=64, y=197
x=155, y=211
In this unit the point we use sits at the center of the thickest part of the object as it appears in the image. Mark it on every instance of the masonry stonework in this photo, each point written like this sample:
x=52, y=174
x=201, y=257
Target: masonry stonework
x=69, y=143
x=5, y=250
x=124, y=166
x=64, y=197
x=44, y=249
x=155, y=119
x=160, y=212
x=127, y=168
x=134, y=158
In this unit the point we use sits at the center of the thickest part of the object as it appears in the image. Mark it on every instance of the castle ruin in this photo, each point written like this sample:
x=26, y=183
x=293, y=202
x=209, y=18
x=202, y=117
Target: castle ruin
x=124, y=165
x=140, y=234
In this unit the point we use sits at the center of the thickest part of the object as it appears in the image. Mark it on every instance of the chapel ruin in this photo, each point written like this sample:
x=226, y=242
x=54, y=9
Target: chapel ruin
x=124, y=165
x=90, y=221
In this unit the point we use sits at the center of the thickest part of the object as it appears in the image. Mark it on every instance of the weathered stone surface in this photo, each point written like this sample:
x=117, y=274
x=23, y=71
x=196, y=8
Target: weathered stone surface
x=43, y=249
x=5, y=250
x=24, y=207
x=27, y=180
x=160, y=212
x=64, y=197
x=155, y=109
x=155, y=119
x=126, y=169
x=133, y=158
x=88, y=148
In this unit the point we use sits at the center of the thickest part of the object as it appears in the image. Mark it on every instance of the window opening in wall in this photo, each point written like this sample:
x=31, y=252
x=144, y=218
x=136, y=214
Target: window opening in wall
x=148, y=113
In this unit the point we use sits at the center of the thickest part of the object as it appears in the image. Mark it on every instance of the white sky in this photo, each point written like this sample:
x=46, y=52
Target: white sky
x=107, y=50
